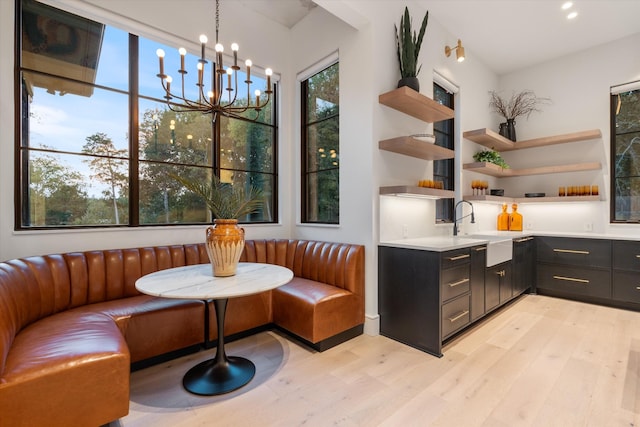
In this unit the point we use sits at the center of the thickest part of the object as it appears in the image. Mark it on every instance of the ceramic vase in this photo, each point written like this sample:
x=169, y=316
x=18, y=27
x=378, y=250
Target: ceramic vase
x=511, y=129
x=225, y=242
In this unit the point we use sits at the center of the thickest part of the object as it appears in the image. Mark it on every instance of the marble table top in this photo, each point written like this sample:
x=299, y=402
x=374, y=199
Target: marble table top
x=198, y=282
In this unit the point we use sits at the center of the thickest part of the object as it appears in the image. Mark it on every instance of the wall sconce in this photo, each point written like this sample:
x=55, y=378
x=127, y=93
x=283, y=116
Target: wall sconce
x=459, y=51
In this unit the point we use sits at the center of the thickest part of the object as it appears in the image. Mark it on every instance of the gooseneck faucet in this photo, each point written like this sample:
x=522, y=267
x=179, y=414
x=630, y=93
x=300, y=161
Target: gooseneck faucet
x=455, y=220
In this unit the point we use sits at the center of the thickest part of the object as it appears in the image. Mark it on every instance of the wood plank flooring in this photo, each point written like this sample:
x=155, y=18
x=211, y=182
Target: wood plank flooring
x=540, y=361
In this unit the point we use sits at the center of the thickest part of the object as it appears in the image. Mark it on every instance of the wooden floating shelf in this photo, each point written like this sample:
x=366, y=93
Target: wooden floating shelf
x=495, y=170
x=497, y=142
x=416, y=105
x=550, y=199
x=416, y=192
x=416, y=148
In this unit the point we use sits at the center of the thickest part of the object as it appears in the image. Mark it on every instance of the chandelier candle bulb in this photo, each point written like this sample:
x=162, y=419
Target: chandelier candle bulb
x=200, y=73
x=257, y=92
x=229, y=73
x=203, y=45
x=182, y=51
x=268, y=72
x=160, y=54
x=234, y=48
x=219, y=50
x=168, y=80
x=248, y=63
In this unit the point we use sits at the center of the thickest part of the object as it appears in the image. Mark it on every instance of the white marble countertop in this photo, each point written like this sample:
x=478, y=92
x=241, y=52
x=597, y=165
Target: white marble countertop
x=447, y=243
x=198, y=282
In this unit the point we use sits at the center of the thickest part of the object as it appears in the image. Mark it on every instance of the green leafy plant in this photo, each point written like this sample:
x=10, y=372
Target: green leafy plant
x=490, y=156
x=408, y=44
x=225, y=201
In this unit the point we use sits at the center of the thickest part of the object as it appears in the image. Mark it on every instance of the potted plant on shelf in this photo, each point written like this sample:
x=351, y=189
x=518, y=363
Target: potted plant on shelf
x=520, y=104
x=490, y=156
x=227, y=203
x=408, y=47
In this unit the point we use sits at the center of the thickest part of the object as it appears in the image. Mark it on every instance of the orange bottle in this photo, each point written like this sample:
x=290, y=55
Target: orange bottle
x=515, y=219
x=503, y=219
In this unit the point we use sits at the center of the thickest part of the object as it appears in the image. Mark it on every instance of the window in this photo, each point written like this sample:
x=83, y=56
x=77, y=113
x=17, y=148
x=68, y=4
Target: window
x=321, y=147
x=98, y=143
x=625, y=153
x=443, y=169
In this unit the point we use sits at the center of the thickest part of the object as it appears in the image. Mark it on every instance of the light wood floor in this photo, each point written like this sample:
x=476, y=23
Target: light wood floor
x=539, y=362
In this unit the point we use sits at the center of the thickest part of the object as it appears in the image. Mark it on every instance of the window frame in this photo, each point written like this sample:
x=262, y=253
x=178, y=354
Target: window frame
x=333, y=60
x=613, y=105
x=446, y=140
x=131, y=28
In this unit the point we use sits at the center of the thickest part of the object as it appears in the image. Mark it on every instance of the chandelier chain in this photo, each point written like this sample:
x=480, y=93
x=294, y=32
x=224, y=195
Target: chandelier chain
x=217, y=19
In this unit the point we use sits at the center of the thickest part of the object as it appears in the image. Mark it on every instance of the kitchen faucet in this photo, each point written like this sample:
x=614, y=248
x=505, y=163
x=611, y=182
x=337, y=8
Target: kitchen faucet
x=455, y=221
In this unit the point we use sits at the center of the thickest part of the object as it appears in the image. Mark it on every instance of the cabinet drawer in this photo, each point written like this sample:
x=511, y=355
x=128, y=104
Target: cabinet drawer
x=586, y=252
x=454, y=258
x=455, y=281
x=575, y=280
x=626, y=286
x=626, y=255
x=455, y=315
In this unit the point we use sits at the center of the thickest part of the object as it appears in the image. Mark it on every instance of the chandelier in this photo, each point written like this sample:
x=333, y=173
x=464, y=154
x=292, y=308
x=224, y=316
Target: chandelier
x=213, y=101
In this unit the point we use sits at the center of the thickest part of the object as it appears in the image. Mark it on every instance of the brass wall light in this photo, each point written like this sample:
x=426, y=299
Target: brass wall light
x=459, y=51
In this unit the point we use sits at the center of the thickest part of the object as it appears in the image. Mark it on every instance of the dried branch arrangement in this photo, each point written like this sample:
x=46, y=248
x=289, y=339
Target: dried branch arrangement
x=520, y=104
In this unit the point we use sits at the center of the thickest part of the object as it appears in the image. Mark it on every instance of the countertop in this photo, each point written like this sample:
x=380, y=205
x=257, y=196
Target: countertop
x=447, y=243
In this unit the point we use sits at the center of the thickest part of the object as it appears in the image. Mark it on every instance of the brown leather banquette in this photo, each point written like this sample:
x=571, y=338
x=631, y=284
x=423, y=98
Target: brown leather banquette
x=72, y=324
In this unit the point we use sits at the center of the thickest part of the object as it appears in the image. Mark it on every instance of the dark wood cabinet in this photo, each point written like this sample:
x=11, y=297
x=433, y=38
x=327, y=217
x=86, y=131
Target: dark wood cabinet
x=423, y=296
x=523, y=274
x=498, y=286
x=574, y=268
x=477, y=265
x=626, y=271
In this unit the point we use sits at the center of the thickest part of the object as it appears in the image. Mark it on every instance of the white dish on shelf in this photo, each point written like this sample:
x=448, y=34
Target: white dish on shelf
x=425, y=137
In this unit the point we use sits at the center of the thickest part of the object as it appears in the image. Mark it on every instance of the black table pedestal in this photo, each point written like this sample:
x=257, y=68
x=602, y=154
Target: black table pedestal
x=223, y=373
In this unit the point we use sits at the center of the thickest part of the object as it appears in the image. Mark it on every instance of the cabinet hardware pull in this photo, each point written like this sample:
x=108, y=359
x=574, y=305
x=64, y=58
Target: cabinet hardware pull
x=571, y=279
x=637, y=256
x=524, y=239
x=459, y=316
x=459, y=282
x=571, y=251
x=484, y=248
x=500, y=273
x=637, y=288
x=455, y=258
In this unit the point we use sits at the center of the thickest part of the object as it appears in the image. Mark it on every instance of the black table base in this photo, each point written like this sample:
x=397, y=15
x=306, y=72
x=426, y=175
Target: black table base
x=223, y=373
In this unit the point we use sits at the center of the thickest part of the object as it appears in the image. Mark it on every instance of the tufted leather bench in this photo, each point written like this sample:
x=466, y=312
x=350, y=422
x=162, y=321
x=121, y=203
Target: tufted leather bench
x=72, y=325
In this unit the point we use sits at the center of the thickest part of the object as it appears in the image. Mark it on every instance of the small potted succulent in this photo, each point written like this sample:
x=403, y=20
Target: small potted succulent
x=408, y=44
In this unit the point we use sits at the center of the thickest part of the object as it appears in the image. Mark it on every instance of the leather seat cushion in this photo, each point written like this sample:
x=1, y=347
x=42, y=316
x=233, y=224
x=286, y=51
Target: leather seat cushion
x=71, y=365
x=314, y=310
x=152, y=325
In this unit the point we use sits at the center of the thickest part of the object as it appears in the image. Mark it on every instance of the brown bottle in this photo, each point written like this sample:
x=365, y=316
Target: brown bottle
x=503, y=219
x=515, y=219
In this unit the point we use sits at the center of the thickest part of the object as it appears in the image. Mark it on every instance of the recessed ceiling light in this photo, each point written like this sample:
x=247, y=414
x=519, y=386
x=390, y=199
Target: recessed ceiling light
x=572, y=15
x=567, y=5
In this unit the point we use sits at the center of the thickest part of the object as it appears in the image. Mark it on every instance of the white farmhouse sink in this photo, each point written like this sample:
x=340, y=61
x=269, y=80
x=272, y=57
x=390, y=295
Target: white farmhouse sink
x=499, y=248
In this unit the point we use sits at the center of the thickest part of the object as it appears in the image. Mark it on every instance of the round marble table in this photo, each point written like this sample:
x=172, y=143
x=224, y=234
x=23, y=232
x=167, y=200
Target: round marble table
x=223, y=373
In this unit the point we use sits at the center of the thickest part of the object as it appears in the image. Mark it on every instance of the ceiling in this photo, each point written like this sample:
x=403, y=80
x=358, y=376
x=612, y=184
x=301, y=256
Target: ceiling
x=506, y=35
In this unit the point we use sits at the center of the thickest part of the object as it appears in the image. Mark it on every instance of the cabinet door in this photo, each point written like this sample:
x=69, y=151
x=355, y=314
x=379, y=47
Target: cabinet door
x=523, y=266
x=626, y=255
x=478, y=265
x=574, y=251
x=492, y=287
x=578, y=281
x=506, y=284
